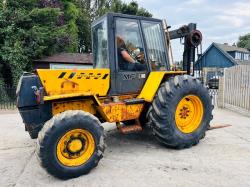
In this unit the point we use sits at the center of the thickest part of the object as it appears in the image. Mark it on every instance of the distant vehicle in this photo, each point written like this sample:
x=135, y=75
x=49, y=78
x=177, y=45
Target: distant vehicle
x=213, y=83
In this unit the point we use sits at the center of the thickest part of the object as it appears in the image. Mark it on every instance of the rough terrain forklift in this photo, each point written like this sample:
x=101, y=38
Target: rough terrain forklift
x=65, y=108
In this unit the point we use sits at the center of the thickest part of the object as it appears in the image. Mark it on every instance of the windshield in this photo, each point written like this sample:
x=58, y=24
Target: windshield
x=155, y=45
x=100, y=44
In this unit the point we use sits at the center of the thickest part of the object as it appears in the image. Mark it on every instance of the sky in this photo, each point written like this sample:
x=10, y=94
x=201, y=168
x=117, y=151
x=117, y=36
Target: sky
x=221, y=21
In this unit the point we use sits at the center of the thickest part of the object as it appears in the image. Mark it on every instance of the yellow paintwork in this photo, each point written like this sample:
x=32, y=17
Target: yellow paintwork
x=62, y=84
x=116, y=112
x=153, y=82
x=63, y=96
x=59, y=83
x=112, y=112
x=189, y=114
x=72, y=142
x=83, y=104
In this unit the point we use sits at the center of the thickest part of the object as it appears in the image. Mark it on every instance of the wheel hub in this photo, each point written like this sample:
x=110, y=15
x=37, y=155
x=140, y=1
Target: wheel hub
x=75, y=147
x=189, y=113
x=184, y=112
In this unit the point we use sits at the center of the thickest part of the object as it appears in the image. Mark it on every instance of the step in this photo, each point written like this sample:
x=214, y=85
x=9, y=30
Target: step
x=133, y=101
x=130, y=128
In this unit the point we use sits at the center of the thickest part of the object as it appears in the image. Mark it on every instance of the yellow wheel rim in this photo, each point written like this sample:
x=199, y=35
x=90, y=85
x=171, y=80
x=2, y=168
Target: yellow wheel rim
x=189, y=114
x=75, y=147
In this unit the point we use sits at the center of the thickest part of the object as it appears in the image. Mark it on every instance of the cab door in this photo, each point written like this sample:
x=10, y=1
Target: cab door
x=130, y=77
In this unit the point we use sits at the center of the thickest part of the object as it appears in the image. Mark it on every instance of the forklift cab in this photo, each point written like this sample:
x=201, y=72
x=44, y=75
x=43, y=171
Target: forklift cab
x=143, y=39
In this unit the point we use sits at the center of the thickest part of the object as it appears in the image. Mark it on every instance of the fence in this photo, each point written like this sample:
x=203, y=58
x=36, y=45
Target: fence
x=234, y=89
x=8, y=98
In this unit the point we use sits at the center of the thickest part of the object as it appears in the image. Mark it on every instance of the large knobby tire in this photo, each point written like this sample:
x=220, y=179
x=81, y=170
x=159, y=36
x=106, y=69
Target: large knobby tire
x=181, y=112
x=70, y=144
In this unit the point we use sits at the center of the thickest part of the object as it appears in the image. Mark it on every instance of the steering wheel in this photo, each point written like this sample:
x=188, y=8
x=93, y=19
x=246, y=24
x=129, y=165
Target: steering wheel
x=138, y=55
x=141, y=58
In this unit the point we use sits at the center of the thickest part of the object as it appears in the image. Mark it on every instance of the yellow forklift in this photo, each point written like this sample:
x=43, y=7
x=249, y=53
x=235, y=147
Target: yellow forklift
x=65, y=108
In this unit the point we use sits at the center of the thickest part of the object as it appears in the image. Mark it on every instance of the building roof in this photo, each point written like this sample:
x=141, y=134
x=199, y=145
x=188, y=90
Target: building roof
x=68, y=58
x=224, y=49
x=228, y=48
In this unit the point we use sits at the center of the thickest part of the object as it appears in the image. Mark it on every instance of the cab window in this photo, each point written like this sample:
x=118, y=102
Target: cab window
x=155, y=45
x=129, y=47
x=100, y=44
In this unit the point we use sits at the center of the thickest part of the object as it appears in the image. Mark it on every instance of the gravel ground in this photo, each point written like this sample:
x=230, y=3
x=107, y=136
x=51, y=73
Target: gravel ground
x=221, y=159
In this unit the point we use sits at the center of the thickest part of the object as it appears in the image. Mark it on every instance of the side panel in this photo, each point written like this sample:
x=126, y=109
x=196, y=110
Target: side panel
x=86, y=82
x=116, y=112
x=130, y=82
x=111, y=112
x=86, y=105
x=153, y=82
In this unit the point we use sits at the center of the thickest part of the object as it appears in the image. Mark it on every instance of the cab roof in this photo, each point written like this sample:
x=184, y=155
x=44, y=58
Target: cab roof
x=111, y=14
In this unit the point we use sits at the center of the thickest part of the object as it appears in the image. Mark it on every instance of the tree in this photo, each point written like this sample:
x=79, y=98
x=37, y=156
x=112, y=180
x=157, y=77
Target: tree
x=92, y=9
x=244, y=41
x=31, y=29
x=132, y=8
